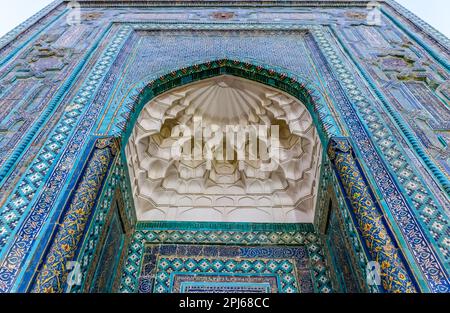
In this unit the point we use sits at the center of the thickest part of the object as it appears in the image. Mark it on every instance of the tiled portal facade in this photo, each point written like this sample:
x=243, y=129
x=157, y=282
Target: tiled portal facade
x=71, y=93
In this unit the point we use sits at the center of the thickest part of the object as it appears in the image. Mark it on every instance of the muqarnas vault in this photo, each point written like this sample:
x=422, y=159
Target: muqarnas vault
x=92, y=198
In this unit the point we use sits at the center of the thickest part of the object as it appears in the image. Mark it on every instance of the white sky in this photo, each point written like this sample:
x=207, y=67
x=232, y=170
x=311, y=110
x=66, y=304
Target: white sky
x=435, y=12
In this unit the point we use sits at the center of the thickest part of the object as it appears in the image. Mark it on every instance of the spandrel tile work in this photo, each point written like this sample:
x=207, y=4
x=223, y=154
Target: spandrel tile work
x=118, y=172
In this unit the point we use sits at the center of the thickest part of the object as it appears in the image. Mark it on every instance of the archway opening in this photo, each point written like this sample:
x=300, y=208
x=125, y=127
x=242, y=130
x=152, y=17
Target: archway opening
x=225, y=149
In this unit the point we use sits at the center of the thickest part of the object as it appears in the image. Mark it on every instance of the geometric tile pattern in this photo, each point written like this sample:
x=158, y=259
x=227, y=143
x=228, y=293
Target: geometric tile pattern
x=34, y=178
x=341, y=48
x=11, y=35
x=435, y=219
x=170, y=266
x=387, y=185
x=395, y=201
x=147, y=244
x=106, y=273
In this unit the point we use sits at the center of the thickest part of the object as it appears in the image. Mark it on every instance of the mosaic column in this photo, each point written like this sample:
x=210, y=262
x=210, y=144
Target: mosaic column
x=53, y=273
x=369, y=219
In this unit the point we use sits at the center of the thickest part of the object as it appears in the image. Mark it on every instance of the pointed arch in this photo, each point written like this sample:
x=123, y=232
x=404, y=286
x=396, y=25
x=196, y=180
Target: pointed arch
x=282, y=80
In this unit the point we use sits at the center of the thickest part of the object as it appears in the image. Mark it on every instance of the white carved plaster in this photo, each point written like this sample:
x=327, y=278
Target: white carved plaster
x=166, y=188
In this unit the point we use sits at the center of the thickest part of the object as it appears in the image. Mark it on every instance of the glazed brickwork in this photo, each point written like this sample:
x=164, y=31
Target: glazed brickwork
x=383, y=87
x=294, y=258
